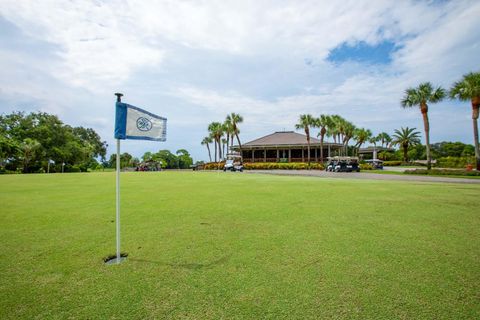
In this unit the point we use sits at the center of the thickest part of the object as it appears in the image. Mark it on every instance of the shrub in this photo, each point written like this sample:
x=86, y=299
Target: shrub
x=392, y=163
x=454, y=162
x=444, y=172
x=214, y=166
x=280, y=165
x=365, y=166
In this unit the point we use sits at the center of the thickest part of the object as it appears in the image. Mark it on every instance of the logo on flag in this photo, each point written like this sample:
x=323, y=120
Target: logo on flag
x=134, y=123
x=143, y=124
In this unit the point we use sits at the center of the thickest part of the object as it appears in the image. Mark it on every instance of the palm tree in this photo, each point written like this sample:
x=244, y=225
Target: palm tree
x=228, y=129
x=362, y=135
x=384, y=138
x=469, y=89
x=28, y=147
x=323, y=122
x=216, y=132
x=405, y=138
x=420, y=96
x=205, y=142
x=305, y=122
x=349, y=133
x=235, y=119
x=224, y=143
x=374, y=140
x=333, y=127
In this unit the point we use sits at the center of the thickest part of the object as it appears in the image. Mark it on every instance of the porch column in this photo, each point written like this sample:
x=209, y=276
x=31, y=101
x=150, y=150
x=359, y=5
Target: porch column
x=329, y=150
x=253, y=155
x=278, y=155
x=289, y=155
x=264, y=155
x=316, y=159
x=303, y=155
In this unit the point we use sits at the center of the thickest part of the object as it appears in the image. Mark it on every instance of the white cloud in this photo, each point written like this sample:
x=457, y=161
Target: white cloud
x=204, y=59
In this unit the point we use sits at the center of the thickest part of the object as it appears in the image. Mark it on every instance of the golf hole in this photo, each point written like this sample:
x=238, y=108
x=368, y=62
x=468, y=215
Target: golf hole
x=112, y=258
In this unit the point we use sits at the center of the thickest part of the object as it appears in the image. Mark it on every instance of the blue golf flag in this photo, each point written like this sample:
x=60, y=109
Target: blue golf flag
x=134, y=123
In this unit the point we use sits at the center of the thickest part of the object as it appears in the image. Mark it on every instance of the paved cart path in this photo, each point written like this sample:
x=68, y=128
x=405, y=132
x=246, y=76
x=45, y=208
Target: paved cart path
x=364, y=175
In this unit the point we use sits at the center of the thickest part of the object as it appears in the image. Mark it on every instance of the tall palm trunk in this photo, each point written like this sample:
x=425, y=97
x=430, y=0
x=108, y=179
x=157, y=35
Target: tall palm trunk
x=308, y=149
x=405, y=152
x=322, y=136
x=475, y=111
x=215, y=141
x=209, y=154
x=239, y=145
x=424, y=109
x=219, y=149
x=228, y=136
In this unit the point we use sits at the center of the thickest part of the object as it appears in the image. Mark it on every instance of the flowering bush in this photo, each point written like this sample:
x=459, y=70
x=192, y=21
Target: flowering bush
x=365, y=166
x=284, y=166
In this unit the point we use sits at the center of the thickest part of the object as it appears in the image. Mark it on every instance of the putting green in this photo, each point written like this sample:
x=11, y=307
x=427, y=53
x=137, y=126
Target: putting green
x=208, y=245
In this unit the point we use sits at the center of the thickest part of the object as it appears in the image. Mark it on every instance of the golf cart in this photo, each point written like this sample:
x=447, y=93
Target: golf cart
x=376, y=163
x=342, y=164
x=233, y=162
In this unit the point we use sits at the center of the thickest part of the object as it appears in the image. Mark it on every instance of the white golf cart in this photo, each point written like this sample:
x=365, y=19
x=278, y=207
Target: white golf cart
x=342, y=164
x=376, y=163
x=233, y=162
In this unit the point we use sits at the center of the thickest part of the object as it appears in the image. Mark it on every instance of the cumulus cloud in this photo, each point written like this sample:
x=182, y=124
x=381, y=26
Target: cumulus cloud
x=198, y=60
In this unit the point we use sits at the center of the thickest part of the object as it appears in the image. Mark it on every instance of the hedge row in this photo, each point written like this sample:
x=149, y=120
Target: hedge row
x=284, y=166
x=214, y=166
x=392, y=163
x=444, y=172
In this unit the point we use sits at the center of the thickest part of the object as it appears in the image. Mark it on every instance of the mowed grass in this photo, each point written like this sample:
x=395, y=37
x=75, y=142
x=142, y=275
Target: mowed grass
x=238, y=246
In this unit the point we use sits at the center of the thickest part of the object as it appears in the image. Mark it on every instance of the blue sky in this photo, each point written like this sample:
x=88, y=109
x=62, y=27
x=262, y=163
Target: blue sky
x=270, y=61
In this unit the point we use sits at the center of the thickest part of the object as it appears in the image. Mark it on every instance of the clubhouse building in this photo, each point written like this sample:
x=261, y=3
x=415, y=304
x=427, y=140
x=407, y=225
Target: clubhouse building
x=286, y=146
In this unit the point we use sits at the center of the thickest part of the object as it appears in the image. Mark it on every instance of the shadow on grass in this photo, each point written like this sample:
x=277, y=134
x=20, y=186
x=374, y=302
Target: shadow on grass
x=190, y=266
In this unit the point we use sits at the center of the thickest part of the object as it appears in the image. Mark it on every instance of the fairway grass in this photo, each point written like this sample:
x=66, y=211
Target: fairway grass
x=206, y=245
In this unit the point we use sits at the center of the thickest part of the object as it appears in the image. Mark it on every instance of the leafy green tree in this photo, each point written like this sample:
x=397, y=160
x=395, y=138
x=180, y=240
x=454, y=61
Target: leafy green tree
x=8, y=149
x=58, y=142
x=184, y=159
x=125, y=160
x=468, y=89
x=29, y=149
x=452, y=149
x=169, y=160
x=421, y=96
x=406, y=137
x=147, y=156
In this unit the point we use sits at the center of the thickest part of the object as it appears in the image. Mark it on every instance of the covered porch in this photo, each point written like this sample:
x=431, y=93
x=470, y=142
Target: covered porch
x=287, y=154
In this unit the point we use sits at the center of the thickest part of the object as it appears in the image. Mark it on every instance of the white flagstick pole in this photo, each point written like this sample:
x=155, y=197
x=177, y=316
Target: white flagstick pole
x=118, y=201
x=119, y=99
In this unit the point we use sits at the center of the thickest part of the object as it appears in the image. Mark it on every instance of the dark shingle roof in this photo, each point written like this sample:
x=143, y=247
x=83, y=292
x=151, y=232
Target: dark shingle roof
x=282, y=138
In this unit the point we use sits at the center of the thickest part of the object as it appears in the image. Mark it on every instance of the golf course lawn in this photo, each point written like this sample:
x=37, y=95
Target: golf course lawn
x=206, y=245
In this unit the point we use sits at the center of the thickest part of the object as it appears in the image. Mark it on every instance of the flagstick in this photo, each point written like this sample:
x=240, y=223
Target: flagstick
x=118, y=201
x=119, y=258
